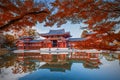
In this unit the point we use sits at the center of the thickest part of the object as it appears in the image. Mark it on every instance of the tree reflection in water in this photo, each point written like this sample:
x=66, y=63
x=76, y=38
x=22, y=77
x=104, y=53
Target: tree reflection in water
x=29, y=62
x=7, y=60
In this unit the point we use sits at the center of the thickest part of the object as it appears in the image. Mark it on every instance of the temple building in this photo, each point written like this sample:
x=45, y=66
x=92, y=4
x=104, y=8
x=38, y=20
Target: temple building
x=53, y=39
x=56, y=38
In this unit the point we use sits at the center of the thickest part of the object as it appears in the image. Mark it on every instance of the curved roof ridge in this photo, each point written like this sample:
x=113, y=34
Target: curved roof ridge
x=62, y=30
x=56, y=31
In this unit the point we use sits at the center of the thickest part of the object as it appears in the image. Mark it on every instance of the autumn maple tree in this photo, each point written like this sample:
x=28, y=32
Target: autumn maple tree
x=26, y=31
x=2, y=39
x=88, y=11
x=96, y=13
x=15, y=14
x=9, y=40
x=102, y=16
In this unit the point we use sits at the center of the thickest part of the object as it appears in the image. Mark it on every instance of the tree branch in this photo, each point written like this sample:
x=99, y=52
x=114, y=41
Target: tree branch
x=19, y=18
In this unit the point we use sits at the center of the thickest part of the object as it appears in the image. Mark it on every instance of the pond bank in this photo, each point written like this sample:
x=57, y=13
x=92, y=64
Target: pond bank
x=64, y=50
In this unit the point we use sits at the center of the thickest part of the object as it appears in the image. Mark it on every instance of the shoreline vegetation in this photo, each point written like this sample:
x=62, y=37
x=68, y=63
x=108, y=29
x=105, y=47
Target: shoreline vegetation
x=3, y=51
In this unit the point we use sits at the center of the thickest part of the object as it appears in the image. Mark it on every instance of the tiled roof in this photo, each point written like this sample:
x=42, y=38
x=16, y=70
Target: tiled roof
x=56, y=32
x=76, y=39
x=60, y=31
x=25, y=37
x=36, y=40
x=32, y=41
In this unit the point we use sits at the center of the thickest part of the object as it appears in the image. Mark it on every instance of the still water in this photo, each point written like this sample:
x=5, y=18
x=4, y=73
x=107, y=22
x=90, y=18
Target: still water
x=71, y=66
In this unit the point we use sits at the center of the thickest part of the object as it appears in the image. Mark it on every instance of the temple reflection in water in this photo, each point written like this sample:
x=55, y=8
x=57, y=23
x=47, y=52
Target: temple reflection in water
x=66, y=66
x=28, y=62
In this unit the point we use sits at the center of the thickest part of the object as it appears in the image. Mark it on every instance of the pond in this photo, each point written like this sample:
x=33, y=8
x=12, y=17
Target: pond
x=71, y=66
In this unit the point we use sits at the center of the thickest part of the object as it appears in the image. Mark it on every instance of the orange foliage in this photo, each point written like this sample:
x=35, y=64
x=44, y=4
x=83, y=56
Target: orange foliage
x=18, y=13
x=96, y=13
x=93, y=12
x=9, y=40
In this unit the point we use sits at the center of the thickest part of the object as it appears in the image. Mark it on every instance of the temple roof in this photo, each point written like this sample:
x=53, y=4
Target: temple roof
x=26, y=37
x=60, y=31
x=32, y=41
x=36, y=40
x=56, y=32
x=76, y=39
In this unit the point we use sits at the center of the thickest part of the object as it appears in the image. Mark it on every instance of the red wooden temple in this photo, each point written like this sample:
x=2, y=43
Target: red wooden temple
x=53, y=39
x=56, y=38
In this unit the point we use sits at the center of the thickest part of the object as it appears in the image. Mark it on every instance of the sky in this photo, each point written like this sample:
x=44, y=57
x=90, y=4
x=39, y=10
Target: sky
x=74, y=29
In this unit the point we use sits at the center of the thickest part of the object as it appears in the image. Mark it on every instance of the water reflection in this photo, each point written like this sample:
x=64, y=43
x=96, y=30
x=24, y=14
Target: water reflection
x=7, y=60
x=31, y=62
x=54, y=62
